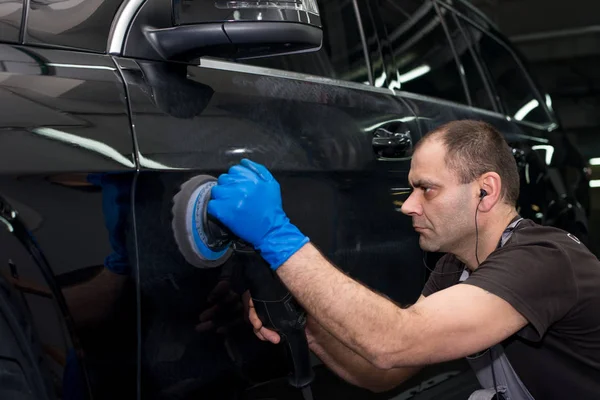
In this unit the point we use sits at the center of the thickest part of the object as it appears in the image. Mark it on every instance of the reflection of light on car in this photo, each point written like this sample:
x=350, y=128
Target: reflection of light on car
x=147, y=163
x=409, y=76
x=8, y=225
x=594, y=183
x=381, y=80
x=81, y=66
x=414, y=73
x=9, y=8
x=306, y=5
x=548, y=101
x=526, y=109
x=85, y=143
x=97, y=147
x=389, y=121
x=595, y=161
x=549, y=151
x=238, y=151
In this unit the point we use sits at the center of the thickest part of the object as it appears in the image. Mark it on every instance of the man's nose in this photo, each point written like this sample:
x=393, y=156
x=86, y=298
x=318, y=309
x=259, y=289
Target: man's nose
x=412, y=205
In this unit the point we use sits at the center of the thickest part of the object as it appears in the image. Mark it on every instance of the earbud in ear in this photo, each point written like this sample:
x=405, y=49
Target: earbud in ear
x=482, y=193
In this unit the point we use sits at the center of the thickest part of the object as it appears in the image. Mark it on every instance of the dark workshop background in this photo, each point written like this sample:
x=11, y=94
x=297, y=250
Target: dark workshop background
x=561, y=40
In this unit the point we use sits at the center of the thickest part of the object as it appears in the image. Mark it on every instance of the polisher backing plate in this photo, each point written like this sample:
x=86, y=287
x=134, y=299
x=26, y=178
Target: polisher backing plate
x=189, y=211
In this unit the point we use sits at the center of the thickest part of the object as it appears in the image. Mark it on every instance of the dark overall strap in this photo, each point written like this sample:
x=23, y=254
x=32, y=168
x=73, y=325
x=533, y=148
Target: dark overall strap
x=508, y=383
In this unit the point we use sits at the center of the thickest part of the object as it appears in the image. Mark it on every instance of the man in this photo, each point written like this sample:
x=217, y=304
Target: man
x=517, y=299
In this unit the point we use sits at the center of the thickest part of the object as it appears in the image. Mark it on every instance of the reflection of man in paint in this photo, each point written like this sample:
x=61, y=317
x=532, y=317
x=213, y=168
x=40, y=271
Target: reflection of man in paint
x=94, y=303
x=97, y=305
x=94, y=300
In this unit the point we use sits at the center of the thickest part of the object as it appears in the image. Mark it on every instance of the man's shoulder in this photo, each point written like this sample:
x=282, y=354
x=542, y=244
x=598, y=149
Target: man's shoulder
x=529, y=232
x=544, y=248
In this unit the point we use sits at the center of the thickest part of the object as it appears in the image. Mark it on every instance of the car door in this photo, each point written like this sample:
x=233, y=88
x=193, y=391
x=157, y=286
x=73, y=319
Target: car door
x=311, y=119
x=67, y=296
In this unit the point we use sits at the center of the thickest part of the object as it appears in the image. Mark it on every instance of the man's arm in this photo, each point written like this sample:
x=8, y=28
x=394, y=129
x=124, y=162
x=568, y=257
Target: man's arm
x=449, y=324
x=350, y=366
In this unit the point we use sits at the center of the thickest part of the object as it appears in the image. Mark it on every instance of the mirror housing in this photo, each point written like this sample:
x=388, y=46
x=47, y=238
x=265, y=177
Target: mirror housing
x=177, y=31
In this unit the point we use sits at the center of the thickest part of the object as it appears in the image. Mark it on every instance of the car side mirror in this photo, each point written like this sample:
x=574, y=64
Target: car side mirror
x=184, y=30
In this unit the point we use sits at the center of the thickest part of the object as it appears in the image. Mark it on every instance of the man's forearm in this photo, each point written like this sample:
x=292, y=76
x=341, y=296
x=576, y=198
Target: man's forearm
x=366, y=322
x=350, y=366
x=340, y=359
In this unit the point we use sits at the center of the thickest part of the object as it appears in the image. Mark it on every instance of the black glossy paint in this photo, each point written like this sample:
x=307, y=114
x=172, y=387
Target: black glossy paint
x=73, y=24
x=316, y=138
x=66, y=171
x=10, y=21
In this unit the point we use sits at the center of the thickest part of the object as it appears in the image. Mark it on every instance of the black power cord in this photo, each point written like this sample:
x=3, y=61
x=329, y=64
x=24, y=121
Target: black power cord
x=477, y=232
x=439, y=273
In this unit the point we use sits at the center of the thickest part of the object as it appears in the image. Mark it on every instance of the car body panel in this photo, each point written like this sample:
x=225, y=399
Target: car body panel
x=67, y=168
x=10, y=21
x=75, y=24
x=315, y=136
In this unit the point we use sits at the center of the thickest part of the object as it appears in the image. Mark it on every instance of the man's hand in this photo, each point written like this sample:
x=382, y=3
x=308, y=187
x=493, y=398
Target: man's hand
x=247, y=200
x=261, y=332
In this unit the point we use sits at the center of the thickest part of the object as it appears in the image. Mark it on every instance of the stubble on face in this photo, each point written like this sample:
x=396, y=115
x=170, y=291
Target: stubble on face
x=450, y=221
x=447, y=221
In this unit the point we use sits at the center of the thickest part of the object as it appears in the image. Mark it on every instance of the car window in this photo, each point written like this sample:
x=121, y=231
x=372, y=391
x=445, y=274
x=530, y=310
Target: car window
x=342, y=55
x=514, y=90
x=423, y=59
x=479, y=92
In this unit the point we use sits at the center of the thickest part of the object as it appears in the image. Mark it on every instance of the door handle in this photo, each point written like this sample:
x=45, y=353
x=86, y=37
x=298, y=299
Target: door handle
x=388, y=144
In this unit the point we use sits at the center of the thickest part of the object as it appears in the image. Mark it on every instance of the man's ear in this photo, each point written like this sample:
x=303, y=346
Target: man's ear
x=490, y=190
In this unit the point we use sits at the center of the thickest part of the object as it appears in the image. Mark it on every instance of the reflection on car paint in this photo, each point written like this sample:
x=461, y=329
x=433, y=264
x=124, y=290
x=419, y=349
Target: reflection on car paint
x=54, y=22
x=67, y=170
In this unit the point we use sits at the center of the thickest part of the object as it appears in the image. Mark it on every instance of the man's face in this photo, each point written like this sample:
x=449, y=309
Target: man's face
x=442, y=209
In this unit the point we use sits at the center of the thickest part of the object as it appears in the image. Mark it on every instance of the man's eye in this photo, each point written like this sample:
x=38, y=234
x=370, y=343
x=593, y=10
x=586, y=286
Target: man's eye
x=425, y=189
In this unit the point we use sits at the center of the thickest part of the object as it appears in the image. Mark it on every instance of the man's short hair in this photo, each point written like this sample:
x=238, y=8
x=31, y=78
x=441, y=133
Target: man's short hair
x=474, y=148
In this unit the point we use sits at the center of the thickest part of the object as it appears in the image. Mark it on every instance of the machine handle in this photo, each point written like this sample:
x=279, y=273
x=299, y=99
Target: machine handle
x=279, y=311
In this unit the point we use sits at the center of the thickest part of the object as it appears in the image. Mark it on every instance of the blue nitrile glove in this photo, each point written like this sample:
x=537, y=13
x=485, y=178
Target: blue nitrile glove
x=248, y=201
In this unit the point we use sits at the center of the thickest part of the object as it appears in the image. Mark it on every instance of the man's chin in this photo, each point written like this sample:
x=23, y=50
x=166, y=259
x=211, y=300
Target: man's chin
x=427, y=245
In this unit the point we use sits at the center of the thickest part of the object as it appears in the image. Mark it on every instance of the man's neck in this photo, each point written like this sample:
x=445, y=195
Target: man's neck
x=488, y=237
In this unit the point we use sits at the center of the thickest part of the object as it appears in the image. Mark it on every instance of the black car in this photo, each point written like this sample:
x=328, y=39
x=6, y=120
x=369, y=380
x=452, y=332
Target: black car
x=108, y=107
